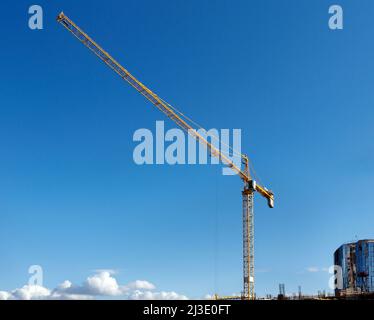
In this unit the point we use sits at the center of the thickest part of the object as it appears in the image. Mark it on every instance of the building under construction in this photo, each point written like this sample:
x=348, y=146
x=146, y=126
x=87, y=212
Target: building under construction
x=356, y=260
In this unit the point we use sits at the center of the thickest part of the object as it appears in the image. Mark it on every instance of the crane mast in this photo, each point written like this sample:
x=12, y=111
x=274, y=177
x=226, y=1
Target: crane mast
x=250, y=186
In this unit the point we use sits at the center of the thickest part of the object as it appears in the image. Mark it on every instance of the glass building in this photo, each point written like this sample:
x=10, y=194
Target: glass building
x=365, y=265
x=356, y=260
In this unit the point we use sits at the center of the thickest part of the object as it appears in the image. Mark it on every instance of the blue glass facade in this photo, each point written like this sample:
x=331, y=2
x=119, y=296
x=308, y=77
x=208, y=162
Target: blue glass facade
x=344, y=257
x=357, y=262
x=365, y=265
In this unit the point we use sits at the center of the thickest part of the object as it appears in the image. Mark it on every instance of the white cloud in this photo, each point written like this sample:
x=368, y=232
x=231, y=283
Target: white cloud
x=5, y=295
x=65, y=285
x=61, y=295
x=316, y=269
x=150, y=295
x=27, y=292
x=102, y=284
x=140, y=284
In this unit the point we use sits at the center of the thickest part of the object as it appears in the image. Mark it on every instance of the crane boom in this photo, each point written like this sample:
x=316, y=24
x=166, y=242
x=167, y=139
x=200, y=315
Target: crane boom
x=250, y=186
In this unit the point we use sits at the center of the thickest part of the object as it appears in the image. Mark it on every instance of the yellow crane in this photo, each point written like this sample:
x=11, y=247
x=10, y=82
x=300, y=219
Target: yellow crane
x=250, y=185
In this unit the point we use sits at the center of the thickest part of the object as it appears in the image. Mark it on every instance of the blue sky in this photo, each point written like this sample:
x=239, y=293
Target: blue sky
x=71, y=198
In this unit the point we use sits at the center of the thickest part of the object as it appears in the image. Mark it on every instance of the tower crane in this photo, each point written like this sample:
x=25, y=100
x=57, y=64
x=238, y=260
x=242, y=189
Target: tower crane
x=250, y=185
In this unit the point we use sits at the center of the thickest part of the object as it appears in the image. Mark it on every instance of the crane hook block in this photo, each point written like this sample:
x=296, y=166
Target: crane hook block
x=271, y=202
